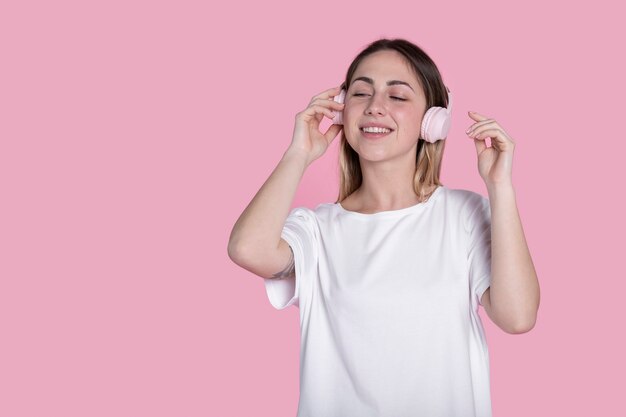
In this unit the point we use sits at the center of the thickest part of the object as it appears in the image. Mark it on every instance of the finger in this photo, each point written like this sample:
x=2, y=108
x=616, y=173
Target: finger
x=500, y=141
x=328, y=102
x=476, y=116
x=480, y=125
x=332, y=132
x=331, y=92
x=483, y=134
x=313, y=116
x=480, y=146
x=316, y=109
x=496, y=133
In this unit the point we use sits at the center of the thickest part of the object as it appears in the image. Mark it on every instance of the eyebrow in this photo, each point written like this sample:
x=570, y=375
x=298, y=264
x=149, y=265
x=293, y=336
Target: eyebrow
x=392, y=82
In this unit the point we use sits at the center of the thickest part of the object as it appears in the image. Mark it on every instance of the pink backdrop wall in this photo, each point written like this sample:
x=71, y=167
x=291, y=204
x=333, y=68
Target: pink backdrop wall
x=135, y=133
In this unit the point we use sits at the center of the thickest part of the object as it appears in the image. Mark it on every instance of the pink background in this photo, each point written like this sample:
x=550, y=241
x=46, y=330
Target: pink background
x=135, y=133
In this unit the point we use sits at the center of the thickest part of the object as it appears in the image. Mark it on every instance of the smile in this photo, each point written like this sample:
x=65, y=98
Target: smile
x=375, y=133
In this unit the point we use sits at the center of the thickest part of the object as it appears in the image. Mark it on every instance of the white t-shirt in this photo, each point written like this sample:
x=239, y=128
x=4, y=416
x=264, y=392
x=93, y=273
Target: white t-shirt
x=389, y=323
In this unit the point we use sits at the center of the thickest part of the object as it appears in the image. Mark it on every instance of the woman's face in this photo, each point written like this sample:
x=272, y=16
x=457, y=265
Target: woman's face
x=379, y=95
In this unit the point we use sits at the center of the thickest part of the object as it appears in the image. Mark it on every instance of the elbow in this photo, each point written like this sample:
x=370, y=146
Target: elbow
x=234, y=252
x=527, y=321
x=238, y=248
x=522, y=326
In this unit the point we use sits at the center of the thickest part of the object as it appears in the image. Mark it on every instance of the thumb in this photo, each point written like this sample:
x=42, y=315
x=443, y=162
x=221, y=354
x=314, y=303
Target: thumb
x=332, y=132
x=480, y=145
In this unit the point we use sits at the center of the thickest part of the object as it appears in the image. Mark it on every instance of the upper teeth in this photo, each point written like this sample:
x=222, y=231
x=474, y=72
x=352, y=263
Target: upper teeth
x=376, y=129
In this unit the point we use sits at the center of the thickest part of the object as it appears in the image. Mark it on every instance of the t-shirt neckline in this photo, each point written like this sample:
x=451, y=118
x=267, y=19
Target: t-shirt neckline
x=393, y=213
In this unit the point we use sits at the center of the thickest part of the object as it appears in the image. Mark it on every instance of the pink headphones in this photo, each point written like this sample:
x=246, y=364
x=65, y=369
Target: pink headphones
x=435, y=124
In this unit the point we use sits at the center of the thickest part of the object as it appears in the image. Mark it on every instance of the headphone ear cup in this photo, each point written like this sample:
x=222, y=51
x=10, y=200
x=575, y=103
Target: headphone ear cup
x=435, y=124
x=340, y=98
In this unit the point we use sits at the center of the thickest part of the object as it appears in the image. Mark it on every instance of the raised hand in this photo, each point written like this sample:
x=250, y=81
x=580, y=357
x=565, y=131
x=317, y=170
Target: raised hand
x=495, y=162
x=306, y=134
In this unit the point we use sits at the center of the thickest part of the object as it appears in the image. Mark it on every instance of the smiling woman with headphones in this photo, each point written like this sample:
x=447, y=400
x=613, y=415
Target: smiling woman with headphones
x=388, y=279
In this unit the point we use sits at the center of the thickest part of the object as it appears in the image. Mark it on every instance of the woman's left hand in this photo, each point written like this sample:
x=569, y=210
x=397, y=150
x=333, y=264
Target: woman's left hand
x=495, y=163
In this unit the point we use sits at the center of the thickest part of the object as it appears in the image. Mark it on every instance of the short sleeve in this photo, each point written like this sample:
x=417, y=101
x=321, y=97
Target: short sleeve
x=300, y=232
x=479, y=249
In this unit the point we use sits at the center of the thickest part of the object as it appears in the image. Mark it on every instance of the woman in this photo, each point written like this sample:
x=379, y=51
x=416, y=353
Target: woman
x=388, y=278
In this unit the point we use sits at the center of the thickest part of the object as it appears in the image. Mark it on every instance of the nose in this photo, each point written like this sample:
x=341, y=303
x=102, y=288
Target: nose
x=375, y=106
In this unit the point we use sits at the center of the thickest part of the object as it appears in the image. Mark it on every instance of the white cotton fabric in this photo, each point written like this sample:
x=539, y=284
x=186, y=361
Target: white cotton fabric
x=388, y=304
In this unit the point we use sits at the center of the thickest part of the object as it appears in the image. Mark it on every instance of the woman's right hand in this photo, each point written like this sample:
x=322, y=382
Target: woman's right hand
x=306, y=134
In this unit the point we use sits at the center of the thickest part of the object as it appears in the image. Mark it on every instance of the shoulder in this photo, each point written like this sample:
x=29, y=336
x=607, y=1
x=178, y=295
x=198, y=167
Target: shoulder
x=301, y=211
x=317, y=212
x=462, y=196
x=311, y=216
x=464, y=200
x=466, y=204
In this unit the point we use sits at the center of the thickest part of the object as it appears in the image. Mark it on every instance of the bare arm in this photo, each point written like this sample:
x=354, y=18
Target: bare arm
x=255, y=242
x=512, y=301
x=255, y=237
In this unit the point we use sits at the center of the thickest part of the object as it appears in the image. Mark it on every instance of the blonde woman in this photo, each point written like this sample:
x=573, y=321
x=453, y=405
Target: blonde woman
x=388, y=279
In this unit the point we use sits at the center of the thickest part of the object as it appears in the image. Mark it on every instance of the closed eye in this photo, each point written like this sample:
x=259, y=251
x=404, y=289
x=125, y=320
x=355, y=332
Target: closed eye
x=393, y=97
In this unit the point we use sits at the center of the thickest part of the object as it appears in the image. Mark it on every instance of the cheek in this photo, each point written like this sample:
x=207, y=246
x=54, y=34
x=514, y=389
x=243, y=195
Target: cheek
x=410, y=121
x=350, y=117
x=349, y=109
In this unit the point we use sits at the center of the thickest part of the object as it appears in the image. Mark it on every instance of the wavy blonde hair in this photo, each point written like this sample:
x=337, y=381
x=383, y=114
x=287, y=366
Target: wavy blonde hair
x=429, y=155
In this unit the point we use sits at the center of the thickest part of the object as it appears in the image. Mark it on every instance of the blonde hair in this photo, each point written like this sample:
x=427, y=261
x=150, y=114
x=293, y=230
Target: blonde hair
x=429, y=155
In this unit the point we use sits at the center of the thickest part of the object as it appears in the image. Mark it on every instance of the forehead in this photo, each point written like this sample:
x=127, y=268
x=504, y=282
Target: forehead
x=386, y=65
